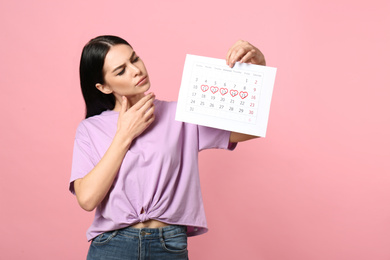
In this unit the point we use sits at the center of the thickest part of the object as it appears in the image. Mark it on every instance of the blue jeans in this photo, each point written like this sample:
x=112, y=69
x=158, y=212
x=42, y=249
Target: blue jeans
x=169, y=242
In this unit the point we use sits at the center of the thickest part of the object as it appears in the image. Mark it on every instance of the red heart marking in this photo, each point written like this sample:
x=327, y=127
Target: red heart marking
x=243, y=94
x=214, y=89
x=223, y=91
x=204, y=88
x=233, y=92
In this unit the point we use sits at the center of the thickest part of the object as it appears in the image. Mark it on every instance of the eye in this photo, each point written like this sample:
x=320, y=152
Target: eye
x=136, y=59
x=122, y=71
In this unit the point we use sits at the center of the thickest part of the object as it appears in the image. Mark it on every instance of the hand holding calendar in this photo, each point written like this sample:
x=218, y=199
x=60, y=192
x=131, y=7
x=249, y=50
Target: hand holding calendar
x=236, y=99
x=244, y=52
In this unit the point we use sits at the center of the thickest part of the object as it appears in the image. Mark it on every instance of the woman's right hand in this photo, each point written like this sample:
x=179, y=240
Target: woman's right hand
x=134, y=120
x=92, y=188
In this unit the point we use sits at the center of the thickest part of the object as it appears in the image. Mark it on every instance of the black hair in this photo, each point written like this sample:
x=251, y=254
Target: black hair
x=91, y=73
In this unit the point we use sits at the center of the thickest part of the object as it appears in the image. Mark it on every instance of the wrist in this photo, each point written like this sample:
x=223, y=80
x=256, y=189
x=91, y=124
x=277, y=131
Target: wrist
x=123, y=139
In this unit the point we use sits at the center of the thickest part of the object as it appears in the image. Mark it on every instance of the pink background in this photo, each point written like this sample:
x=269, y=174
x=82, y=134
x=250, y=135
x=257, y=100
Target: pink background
x=317, y=187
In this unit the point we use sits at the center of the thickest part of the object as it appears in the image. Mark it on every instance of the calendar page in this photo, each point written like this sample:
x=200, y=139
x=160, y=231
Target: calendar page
x=237, y=99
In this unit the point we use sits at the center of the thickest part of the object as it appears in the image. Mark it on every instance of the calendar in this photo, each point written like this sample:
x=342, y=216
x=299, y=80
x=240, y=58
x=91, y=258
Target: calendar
x=237, y=99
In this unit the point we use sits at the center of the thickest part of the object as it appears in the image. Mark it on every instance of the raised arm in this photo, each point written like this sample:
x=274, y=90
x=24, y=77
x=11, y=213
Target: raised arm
x=92, y=188
x=243, y=52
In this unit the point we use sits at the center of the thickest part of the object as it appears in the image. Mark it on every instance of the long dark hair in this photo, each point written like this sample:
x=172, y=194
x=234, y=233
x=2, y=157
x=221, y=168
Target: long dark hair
x=91, y=73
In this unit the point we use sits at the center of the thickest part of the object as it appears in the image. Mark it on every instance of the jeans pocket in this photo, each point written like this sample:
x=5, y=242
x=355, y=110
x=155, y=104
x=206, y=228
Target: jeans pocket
x=105, y=237
x=175, y=244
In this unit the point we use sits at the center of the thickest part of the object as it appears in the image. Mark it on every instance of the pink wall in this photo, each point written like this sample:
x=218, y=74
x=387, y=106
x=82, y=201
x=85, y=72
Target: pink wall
x=317, y=188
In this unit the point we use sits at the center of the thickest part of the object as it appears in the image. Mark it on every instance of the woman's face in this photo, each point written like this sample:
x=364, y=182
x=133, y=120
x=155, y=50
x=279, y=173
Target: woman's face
x=124, y=73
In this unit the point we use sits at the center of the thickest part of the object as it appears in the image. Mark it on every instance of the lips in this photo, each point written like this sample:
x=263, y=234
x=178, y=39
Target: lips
x=142, y=81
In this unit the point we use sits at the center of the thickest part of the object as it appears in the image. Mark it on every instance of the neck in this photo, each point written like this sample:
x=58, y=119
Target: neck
x=131, y=101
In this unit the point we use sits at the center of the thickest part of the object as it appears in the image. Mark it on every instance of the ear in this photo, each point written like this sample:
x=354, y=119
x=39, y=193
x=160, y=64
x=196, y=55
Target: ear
x=103, y=88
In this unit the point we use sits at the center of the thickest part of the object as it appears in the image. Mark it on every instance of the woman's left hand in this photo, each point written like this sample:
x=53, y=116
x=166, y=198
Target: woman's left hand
x=243, y=51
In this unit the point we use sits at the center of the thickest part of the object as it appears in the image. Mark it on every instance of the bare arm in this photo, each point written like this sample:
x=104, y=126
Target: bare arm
x=92, y=188
x=238, y=137
x=243, y=51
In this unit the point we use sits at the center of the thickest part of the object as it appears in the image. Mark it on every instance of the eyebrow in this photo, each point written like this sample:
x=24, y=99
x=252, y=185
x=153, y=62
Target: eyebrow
x=121, y=66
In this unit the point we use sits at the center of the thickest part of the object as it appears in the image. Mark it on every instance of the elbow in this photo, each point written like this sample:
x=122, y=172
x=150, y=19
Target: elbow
x=86, y=204
x=89, y=209
x=85, y=198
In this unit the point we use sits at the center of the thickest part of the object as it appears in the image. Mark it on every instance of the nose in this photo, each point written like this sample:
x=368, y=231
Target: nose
x=134, y=68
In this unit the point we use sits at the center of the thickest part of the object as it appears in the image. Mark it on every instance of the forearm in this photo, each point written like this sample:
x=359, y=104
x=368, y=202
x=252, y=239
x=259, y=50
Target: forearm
x=93, y=188
x=238, y=137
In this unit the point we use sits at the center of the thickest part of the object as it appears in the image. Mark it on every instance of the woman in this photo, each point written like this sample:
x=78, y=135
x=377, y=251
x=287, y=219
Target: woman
x=134, y=163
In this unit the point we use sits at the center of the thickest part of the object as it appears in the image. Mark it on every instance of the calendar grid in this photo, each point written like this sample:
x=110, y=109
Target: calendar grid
x=225, y=93
x=235, y=99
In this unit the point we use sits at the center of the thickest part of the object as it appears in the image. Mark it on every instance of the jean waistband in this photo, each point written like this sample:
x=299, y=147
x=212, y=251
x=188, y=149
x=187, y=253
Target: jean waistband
x=164, y=232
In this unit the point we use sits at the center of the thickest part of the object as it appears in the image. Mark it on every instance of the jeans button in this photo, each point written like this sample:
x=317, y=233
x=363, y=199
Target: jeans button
x=143, y=233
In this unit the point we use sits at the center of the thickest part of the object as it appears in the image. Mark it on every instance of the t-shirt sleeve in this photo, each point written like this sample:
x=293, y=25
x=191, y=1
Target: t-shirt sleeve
x=82, y=162
x=214, y=138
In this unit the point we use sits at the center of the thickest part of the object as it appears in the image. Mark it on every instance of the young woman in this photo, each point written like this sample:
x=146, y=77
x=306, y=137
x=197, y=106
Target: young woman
x=134, y=163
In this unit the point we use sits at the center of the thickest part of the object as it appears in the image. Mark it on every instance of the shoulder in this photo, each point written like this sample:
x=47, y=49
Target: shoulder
x=106, y=117
x=165, y=109
x=166, y=105
x=101, y=122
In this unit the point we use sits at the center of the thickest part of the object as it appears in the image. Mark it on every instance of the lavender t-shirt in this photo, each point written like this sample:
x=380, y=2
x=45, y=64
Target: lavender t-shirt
x=158, y=178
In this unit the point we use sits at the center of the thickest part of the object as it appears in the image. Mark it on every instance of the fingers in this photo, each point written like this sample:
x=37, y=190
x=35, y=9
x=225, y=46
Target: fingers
x=231, y=53
x=146, y=104
x=247, y=57
x=143, y=101
x=234, y=53
x=144, y=109
x=237, y=56
x=123, y=106
x=244, y=52
x=133, y=121
x=149, y=115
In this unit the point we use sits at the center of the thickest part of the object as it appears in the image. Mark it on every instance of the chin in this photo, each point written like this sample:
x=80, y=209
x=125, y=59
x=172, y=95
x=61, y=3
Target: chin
x=146, y=87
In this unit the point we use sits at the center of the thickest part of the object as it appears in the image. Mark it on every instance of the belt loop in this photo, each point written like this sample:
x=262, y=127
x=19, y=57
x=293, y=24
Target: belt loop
x=160, y=232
